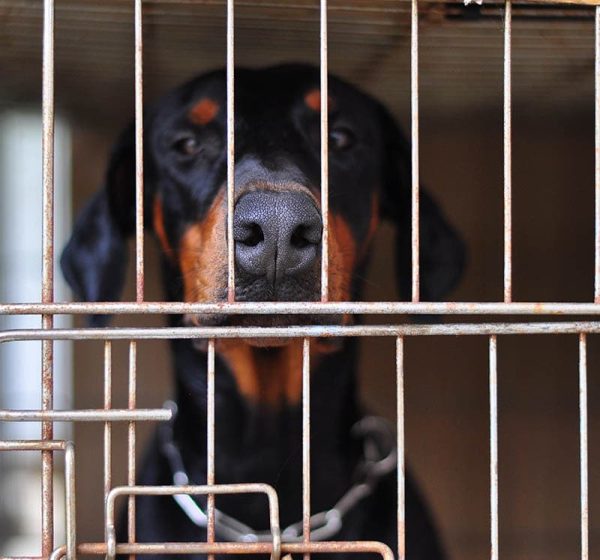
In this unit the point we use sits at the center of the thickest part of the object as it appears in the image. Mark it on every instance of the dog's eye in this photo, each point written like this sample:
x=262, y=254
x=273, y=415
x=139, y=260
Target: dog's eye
x=340, y=138
x=187, y=145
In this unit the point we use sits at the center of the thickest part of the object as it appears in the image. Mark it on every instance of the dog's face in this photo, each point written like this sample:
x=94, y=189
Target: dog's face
x=277, y=210
x=277, y=218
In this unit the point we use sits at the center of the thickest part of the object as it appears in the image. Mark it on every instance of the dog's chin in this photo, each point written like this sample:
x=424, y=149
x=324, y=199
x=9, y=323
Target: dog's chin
x=261, y=321
x=266, y=321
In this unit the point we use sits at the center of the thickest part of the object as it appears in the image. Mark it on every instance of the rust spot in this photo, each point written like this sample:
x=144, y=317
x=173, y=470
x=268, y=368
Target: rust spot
x=159, y=228
x=202, y=252
x=204, y=111
x=269, y=376
x=342, y=258
x=313, y=100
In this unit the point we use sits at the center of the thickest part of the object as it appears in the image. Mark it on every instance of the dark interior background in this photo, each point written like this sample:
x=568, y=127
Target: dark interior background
x=447, y=425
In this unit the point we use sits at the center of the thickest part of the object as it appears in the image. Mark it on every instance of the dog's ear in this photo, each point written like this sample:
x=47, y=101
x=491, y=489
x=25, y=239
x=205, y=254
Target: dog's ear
x=94, y=260
x=442, y=251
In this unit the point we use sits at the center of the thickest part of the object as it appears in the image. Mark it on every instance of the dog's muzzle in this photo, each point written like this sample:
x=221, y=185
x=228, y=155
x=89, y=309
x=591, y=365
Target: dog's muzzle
x=277, y=235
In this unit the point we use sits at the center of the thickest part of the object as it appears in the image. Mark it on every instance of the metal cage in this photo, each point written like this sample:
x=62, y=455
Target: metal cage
x=477, y=325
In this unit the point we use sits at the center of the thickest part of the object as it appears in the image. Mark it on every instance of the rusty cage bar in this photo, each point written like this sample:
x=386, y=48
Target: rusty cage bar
x=47, y=309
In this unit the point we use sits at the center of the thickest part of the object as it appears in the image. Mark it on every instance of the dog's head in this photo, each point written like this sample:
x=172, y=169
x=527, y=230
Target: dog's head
x=277, y=218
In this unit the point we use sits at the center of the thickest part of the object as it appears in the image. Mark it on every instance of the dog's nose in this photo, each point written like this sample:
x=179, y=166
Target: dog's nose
x=276, y=234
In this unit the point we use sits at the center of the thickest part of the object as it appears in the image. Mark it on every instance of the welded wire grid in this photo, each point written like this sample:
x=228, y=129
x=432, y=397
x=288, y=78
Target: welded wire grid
x=47, y=308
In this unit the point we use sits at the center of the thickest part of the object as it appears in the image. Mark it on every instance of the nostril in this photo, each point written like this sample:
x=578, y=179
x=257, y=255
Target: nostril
x=307, y=233
x=251, y=235
x=299, y=238
x=254, y=236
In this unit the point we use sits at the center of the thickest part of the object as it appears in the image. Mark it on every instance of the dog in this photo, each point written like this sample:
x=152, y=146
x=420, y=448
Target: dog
x=277, y=230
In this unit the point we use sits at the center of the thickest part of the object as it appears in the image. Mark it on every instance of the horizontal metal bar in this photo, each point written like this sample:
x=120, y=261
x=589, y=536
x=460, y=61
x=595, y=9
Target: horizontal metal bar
x=27, y=557
x=331, y=547
x=172, y=490
x=327, y=331
x=260, y=548
x=91, y=415
x=32, y=445
x=578, y=2
x=299, y=308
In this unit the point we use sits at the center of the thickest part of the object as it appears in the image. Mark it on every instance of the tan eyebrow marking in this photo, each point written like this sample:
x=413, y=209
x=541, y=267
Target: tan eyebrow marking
x=204, y=111
x=313, y=100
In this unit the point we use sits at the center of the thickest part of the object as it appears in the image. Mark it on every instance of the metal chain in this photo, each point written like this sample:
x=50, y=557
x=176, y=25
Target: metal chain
x=379, y=459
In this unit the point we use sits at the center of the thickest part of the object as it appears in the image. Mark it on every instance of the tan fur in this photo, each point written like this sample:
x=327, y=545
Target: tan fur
x=203, y=255
x=313, y=100
x=159, y=228
x=342, y=258
x=204, y=111
x=267, y=376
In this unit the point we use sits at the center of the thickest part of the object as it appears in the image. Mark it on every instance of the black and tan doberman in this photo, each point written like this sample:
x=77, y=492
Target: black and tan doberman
x=277, y=226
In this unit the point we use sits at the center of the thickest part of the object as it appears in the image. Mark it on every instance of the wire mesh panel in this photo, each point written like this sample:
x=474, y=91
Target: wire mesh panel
x=314, y=533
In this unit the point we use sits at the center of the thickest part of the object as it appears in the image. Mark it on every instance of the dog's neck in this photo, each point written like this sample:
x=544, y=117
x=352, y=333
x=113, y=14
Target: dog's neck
x=258, y=436
x=266, y=377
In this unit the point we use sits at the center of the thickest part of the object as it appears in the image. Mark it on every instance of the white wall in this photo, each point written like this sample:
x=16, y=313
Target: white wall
x=20, y=281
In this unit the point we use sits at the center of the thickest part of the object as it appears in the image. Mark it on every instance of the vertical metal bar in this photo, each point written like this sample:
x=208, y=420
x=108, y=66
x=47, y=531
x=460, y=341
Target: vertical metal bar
x=306, y=443
x=210, y=440
x=139, y=154
x=414, y=96
x=107, y=425
x=583, y=445
x=324, y=152
x=507, y=153
x=131, y=443
x=230, y=150
x=400, y=445
x=70, y=499
x=493, y=357
x=597, y=157
x=48, y=268
x=48, y=154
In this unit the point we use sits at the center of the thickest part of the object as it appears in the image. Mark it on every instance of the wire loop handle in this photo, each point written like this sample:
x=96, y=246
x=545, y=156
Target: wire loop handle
x=183, y=490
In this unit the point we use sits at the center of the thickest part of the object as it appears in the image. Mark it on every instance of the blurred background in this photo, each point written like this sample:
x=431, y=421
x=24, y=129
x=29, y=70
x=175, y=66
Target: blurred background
x=447, y=423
